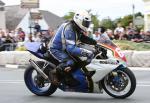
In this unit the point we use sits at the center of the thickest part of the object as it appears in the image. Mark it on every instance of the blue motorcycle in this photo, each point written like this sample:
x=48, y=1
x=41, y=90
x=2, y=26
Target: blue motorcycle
x=107, y=71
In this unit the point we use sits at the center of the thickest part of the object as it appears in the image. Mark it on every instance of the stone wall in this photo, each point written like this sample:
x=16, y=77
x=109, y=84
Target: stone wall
x=134, y=58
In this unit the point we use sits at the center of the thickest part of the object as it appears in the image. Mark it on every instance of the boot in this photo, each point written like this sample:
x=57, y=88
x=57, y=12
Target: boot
x=66, y=76
x=54, y=77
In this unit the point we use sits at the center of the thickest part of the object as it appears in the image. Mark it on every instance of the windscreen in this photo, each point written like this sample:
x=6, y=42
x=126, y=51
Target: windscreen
x=104, y=39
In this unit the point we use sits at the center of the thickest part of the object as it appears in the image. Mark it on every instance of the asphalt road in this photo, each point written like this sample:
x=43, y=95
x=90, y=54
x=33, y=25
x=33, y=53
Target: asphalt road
x=13, y=90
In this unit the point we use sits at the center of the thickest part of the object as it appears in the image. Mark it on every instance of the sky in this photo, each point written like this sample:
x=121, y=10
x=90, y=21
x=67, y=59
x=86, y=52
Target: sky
x=104, y=8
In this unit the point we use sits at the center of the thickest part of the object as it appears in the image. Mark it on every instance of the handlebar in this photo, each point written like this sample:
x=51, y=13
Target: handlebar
x=101, y=49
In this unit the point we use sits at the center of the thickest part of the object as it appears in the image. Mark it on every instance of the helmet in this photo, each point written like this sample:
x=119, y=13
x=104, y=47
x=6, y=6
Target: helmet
x=82, y=19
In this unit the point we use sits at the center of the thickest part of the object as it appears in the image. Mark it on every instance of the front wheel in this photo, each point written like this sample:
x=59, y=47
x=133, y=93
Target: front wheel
x=120, y=83
x=36, y=84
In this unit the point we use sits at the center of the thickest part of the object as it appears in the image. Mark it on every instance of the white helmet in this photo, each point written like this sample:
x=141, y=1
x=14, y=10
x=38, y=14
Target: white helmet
x=82, y=19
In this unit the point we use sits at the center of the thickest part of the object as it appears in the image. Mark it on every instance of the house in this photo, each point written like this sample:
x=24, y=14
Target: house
x=147, y=14
x=16, y=17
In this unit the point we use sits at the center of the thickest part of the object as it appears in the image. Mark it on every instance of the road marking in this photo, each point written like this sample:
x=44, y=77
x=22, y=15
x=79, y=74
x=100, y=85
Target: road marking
x=11, y=66
x=139, y=69
x=11, y=81
x=143, y=85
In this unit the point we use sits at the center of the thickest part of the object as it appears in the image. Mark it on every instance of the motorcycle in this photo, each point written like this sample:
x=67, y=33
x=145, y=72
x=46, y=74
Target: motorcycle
x=106, y=71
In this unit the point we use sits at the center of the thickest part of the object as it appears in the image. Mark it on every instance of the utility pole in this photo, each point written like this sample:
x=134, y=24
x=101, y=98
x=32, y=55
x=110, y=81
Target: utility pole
x=133, y=14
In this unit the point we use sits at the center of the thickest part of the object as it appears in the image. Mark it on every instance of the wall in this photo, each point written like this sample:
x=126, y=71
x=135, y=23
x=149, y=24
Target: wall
x=134, y=58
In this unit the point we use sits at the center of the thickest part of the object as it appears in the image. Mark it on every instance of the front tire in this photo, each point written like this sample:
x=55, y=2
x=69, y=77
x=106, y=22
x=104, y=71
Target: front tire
x=29, y=79
x=120, y=83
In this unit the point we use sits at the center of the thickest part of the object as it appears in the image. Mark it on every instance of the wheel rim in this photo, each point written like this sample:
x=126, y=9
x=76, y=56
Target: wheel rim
x=118, y=85
x=32, y=82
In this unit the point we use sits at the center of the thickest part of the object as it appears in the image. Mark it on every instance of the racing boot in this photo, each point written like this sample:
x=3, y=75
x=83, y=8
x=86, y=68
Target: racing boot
x=54, y=77
x=66, y=76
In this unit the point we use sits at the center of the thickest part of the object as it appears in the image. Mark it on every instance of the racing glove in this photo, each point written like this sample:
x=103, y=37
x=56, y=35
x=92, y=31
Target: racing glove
x=86, y=53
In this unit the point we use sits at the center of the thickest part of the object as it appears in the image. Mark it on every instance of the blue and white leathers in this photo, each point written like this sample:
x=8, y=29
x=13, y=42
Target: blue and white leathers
x=70, y=39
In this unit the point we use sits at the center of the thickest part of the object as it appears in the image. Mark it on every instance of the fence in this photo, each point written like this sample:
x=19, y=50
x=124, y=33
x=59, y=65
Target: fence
x=8, y=46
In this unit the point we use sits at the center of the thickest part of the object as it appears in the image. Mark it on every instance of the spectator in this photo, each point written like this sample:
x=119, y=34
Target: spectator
x=51, y=33
x=130, y=34
x=110, y=34
x=118, y=31
x=96, y=36
x=29, y=39
x=13, y=36
x=20, y=35
x=37, y=28
x=123, y=36
x=137, y=37
x=103, y=35
x=48, y=35
x=2, y=36
x=117, y=35
x=147, y=36
x=37, y=37
x=131, y=26
x=142, y=33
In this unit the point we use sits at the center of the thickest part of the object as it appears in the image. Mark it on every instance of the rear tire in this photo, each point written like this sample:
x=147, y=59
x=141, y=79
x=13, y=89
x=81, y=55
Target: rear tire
x=32, y=86
x=120, y=94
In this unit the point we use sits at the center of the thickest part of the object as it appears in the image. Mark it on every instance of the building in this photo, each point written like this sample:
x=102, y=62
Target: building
x=14, y=17
x=2, y=15
x=147, y=15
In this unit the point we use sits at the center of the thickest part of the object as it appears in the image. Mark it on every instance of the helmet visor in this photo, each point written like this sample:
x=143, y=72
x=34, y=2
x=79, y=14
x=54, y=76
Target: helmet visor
x=86, y=23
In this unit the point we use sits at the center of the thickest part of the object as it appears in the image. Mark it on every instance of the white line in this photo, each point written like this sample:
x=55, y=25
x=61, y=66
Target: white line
x=143, y=85
x=11, y=81
x=145, y=82
x=11, y=66
x=139, y=68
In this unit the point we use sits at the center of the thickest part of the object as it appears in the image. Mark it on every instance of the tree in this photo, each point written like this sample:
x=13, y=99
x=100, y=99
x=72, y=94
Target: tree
x=126, y=20
x=139, y=14
x=116, y=21
x=107, y=23
x=69, y=16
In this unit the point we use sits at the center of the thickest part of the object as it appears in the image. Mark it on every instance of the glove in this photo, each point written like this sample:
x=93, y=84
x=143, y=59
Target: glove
x=43, y=48
x=87, y=53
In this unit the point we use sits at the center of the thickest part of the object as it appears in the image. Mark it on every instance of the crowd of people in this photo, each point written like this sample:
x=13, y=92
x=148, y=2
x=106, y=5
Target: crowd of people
x=120, y=33
x=11, y=38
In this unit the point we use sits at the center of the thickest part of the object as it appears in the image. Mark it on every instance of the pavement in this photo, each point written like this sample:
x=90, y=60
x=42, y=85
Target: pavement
x=13, y=89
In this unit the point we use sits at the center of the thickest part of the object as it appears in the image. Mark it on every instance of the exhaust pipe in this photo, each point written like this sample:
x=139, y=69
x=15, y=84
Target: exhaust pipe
x=38, y=69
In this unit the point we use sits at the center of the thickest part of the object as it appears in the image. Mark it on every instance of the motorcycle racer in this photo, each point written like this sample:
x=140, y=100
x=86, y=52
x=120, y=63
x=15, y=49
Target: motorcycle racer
x=66, y=39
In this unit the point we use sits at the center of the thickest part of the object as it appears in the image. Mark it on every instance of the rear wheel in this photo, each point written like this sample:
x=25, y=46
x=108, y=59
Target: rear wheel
x=120, y=83
x=37, y=84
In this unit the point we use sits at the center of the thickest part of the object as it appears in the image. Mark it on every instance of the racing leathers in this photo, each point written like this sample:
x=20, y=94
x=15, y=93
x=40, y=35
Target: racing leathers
x=65, y=41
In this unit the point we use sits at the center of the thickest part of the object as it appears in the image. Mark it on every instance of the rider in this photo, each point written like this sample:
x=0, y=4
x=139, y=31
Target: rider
x=66, y=39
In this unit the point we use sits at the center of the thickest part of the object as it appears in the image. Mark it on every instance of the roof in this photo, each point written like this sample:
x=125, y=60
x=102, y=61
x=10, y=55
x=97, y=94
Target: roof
x=2, y=3
x=52, y=20
x=14, y=15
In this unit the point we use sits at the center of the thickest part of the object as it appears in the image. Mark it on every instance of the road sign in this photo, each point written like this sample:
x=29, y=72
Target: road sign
x=29, y=3
x=139, y=21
